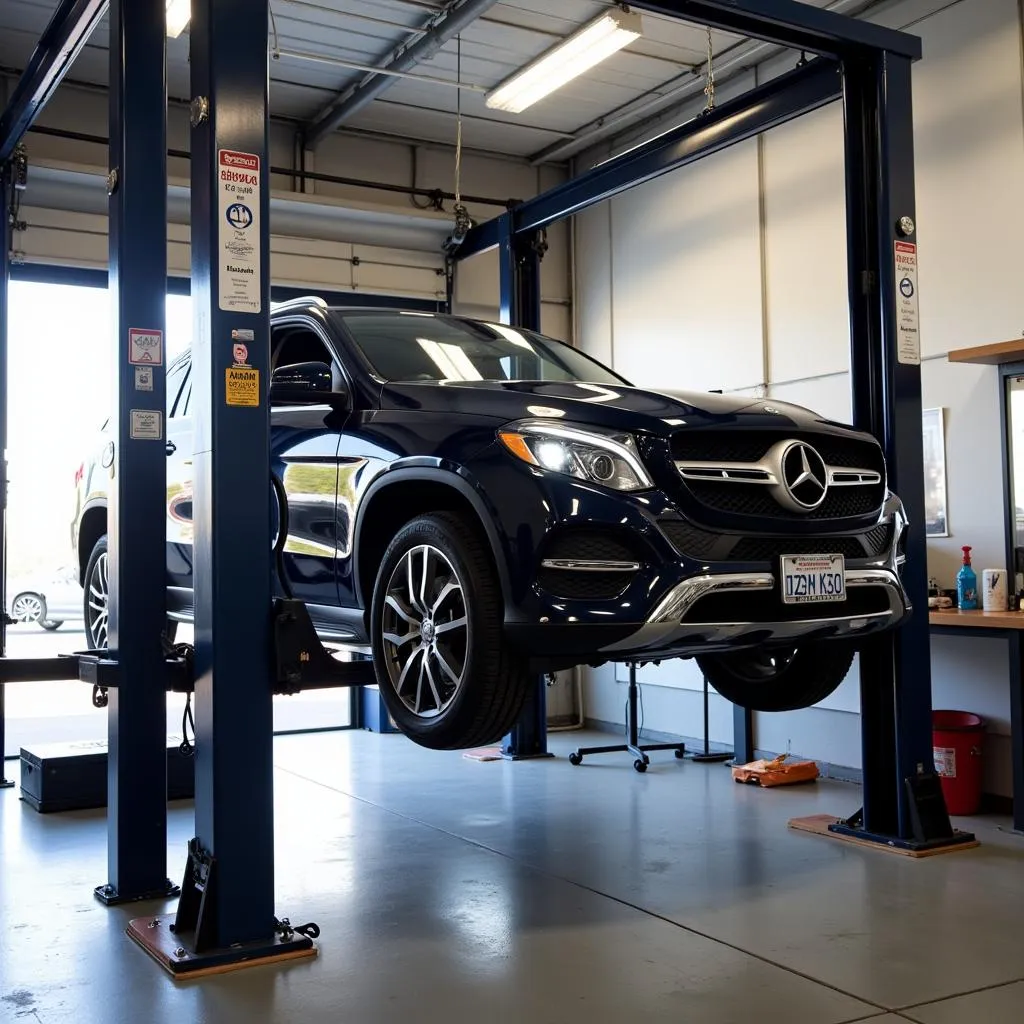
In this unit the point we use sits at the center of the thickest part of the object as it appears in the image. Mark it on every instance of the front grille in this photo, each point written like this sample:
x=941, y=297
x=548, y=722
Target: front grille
x=691, y=540
x=595, y=586
x=745, y=446
x=769, y=607
x=755, y=500
x=767, y=549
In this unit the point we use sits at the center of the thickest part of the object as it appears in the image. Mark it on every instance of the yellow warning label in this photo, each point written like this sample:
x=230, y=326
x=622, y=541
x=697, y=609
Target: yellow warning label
x=242, y=386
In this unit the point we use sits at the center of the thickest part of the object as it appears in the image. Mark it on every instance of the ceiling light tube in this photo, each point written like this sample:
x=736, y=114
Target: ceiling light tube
x=568, y=60
x=179, y=14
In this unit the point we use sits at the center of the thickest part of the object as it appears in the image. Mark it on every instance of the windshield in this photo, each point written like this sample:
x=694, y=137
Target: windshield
x=424, y=347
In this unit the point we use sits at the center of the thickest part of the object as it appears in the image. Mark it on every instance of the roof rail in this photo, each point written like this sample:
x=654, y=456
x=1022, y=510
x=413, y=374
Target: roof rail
x=301, y=302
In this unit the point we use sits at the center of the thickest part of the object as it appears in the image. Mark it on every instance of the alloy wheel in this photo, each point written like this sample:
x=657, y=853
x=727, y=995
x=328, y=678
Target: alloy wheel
x=27, y=608
x=99, y=602
x=425, y=629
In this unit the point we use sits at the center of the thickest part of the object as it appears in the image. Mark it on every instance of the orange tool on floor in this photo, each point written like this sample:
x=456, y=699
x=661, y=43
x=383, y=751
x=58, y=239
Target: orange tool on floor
x=777, y=772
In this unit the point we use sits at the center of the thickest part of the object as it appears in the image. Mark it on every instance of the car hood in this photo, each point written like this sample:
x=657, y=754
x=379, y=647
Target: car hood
x=617, y=407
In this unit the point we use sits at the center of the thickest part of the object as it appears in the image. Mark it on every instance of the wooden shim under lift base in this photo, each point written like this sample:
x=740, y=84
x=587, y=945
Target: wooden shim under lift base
x=154, y=935
x=819, y=823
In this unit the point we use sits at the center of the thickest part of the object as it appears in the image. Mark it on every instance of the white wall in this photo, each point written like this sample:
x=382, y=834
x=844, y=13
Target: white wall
x=314, y=260
x=732, y=274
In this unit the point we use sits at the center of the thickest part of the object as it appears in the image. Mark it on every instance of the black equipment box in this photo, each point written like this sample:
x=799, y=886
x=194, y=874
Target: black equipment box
x=73, y=776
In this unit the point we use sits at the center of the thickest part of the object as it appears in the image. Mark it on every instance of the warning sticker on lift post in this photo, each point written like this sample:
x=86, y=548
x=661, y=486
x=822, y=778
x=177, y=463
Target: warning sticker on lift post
x=242, y=386
x=147, y=424
x=145, y=348
x=238, y=231
x=908, y=328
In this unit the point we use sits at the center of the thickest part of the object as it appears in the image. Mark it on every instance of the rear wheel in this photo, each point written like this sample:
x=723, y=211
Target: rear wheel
x=96, y=601
x=446, y=673
x=779, y=678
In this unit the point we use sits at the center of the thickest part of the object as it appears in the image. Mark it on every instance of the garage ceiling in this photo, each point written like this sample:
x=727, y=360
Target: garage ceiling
x=509, y=35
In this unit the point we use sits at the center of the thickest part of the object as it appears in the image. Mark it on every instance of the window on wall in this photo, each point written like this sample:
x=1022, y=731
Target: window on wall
x=59, y=398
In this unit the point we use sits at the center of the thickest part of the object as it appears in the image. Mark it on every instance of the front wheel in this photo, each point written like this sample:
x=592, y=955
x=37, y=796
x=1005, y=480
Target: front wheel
x=28, y=607
x=97, y=596
x=779, y=678
x=446, y=672
x=52, y=625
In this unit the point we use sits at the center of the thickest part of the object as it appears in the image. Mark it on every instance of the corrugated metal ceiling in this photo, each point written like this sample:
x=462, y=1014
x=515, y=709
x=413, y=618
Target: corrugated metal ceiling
x=367, y=31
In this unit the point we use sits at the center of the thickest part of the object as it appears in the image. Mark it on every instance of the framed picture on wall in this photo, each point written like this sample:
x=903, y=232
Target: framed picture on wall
x=936, y=520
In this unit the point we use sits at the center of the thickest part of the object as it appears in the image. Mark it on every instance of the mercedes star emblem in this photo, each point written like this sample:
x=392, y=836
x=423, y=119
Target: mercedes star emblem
x=804, y=478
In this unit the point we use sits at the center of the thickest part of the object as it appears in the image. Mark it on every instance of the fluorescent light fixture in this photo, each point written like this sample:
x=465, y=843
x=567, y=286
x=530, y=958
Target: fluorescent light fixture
x=579, y=53
x=179, y=14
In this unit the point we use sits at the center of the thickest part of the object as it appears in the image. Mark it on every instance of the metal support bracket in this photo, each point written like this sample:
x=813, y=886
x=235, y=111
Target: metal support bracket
x=301, y=660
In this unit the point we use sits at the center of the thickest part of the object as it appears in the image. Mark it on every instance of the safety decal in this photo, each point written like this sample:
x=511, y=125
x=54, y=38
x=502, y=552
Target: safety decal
x=143, y=378
x=147, y=424
x=238, y=231
x=145, y=348
x=908, y=328
x=242, y=386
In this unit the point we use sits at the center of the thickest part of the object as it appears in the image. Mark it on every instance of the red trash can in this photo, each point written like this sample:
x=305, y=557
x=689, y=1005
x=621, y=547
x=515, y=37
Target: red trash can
x=957, y=740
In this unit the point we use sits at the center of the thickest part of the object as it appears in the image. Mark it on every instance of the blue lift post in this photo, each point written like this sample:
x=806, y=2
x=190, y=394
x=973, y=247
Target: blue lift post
x=6, y=210
x=903, y=802
x=136, y=714
x=226, y=910
x=519, y=259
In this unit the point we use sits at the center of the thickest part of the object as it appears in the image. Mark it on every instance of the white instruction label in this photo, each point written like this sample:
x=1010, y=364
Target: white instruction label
x=945, y=762
x=908, y=327
x=145, y=348
x=238, y=231
x=143, y=378
x=147, y=424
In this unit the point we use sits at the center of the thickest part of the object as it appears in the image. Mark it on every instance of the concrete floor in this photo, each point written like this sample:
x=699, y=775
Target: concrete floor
x=451, y=890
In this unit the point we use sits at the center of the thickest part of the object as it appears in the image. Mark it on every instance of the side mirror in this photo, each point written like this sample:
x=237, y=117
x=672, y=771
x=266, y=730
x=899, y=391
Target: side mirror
x=301, y=384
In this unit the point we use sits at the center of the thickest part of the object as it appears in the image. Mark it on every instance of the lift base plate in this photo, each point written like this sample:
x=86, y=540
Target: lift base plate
x=154, y=935
x=110, y=897
x=834, y=828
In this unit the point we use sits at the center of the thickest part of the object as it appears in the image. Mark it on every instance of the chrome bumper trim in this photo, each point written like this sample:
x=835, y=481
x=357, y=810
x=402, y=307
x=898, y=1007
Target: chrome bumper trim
x=667, y=626
x=588, y=565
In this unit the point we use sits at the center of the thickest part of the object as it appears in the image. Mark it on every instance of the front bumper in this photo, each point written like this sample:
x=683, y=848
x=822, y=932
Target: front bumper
x=668, y=629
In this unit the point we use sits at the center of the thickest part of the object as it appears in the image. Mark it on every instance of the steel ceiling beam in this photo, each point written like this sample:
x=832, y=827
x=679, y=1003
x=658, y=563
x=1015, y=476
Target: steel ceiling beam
x=790, y=23
x=61, y=42
x=458, y=18
x=778, y=101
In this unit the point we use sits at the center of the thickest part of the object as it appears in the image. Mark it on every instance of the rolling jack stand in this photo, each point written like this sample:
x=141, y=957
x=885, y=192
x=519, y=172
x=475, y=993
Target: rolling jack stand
x=709, y=756
x=633, y=738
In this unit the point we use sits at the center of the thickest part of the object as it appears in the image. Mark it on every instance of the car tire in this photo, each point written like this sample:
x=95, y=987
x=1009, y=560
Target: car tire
x=779, y=679
x=28, y=606
x=447, y=675
x=97, y=593
x=52, y=625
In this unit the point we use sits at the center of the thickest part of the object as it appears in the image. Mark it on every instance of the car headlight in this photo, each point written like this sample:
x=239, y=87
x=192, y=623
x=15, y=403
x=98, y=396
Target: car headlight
x=607, y=459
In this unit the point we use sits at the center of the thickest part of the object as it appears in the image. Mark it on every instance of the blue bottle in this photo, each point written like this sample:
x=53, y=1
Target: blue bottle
x=967, y=585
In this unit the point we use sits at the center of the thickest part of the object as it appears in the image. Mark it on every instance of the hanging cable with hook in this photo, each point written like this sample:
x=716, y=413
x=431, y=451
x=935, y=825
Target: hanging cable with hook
x=462, y=219
x=709, y=89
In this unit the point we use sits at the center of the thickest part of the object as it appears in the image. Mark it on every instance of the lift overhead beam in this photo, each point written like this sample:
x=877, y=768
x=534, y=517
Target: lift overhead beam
x=780, y=100
x=61, y=42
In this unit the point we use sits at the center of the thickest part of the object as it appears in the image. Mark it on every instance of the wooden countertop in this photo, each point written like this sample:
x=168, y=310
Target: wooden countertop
x=993, y=355
x=977, y=620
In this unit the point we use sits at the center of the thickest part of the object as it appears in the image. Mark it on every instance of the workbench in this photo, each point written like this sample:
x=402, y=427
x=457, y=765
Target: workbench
x=1008, y=626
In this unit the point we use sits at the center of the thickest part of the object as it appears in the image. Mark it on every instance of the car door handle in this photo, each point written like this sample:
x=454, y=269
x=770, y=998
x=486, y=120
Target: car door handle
x=171, y=447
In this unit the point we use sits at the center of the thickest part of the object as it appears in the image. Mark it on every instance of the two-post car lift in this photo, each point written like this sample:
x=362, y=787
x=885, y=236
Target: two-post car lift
x=247, y=647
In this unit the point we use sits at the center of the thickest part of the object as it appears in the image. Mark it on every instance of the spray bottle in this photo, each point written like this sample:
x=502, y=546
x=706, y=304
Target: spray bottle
x=967, y=584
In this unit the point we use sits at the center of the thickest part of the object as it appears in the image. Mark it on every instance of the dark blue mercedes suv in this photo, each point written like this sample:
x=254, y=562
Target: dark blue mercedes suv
x=475, y=504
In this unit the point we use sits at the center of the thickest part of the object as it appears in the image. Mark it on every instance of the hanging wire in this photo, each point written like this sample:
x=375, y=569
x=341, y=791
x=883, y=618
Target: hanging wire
x=709, y=89
x=275, y=53
x=458, y=121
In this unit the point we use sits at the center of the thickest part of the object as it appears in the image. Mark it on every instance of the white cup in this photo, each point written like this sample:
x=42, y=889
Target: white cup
x=993, y=582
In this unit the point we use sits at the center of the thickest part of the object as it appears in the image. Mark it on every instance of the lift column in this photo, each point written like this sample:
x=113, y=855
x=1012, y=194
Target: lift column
x=137, y=559
x=902, y=797
x=519, y=269
x=5, y=280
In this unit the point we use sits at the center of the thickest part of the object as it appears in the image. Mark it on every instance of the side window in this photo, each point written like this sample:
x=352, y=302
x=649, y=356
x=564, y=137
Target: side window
x=177, y=384
x=291, y=344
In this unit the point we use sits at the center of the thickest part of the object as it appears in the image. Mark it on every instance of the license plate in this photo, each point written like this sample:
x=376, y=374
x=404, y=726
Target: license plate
x=810, y=579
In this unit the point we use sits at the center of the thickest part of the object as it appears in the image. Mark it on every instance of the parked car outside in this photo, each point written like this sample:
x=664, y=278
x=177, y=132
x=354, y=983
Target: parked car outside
x=475, y=504
x=48, y=600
